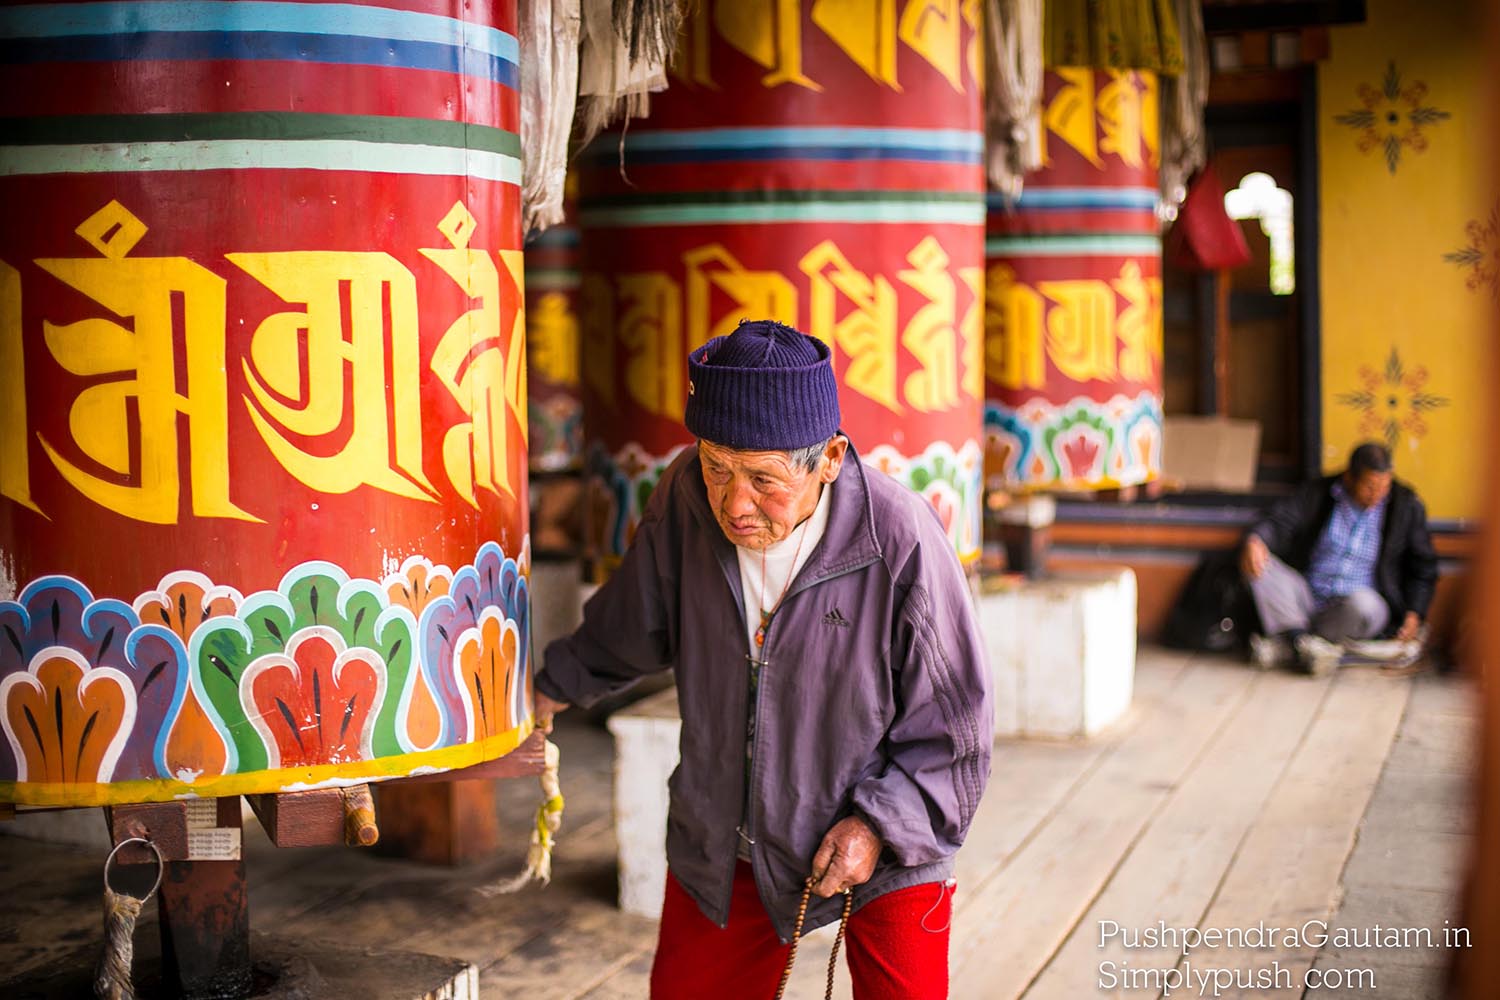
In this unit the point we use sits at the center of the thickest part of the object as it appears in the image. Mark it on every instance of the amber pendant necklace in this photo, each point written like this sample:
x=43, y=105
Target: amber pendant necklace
x=767, y=613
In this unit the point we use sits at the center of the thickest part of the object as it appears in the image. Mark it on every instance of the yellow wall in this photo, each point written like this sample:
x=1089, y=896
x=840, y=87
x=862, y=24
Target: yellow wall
x=1385, y=282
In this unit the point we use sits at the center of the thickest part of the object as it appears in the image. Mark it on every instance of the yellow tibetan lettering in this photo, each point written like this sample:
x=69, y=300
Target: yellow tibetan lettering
x=1071, y=117
x=973, y=13
x=931, y=336
x=1014, y=355
x=481, y=364
x=596, y=310
x=1139, y=325
x=1151, y=116
x=649, y=334
x=867, y=335
x=15, y=464
x=126, y=426
x=934, y=30
x=1081, y=328
x=754, y=294
x=1120, y=118
x=971, y=331
x=866, y=32
x=302, y=360
x=691, y=62
x=768, y=31
x=552, y=339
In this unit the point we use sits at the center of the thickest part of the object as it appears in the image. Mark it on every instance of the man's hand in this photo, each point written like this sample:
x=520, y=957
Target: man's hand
x=546, y=708
x=1253, y=557
x=846, y=857
x=1410, y=625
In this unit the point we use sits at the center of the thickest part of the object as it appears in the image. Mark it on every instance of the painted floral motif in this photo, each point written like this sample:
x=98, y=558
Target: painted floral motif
x=1392, y=117
x=314, y=704
x=488, y=656
x=58, y=612
x=67, y=720
x=417, y=584
x=949, y=480
x=193, y=679
x=1481, y=256
x=1084, y=444
x=619, y=486
x=313, y=595
x=1393, y=401
x=182, y=602
x=493, y=582
x=185, y=600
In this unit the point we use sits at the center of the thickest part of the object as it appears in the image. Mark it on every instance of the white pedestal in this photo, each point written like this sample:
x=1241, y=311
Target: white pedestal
x=646, y=750
x=1062, y=652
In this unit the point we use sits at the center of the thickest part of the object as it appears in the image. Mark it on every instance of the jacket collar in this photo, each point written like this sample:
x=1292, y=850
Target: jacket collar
x=848, y=543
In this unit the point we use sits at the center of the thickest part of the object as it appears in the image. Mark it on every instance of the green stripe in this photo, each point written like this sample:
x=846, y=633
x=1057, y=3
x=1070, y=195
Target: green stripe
x=791, y=206
x=1072, y=244
x=777, y=197
x=551, y=277
x=82, y=130
x=259, y=154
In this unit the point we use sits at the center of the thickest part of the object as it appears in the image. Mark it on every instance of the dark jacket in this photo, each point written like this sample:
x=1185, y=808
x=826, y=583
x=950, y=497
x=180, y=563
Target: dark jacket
x=874, y=698
x=1406, y=569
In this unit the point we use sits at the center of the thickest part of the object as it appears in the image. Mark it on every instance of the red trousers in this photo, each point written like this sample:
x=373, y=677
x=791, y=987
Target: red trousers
x=892, y=953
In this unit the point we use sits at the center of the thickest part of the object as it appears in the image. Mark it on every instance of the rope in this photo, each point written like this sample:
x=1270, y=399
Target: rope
x=121, y=910
x=833, y=956
x=543, y=834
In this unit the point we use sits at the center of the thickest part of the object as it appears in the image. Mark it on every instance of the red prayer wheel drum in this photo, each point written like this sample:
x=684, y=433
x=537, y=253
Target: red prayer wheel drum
x=263, y=518
x=811, y=163
x=1073, y=320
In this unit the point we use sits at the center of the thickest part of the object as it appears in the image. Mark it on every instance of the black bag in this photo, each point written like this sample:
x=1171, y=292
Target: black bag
x=1215, y=612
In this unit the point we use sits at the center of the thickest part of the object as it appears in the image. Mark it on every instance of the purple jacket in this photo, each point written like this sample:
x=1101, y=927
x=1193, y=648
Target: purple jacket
x=875, y=696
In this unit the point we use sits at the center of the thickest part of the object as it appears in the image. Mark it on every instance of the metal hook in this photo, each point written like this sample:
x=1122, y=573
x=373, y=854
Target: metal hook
x=161, y=864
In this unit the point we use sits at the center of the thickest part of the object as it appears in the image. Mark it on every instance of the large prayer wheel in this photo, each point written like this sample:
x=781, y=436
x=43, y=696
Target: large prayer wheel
x=1073, y=285
x=813, y=163
x=263, y=518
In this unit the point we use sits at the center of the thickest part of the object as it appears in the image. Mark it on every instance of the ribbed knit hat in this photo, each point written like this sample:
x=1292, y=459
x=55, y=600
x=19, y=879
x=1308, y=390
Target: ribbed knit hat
x=764, y=387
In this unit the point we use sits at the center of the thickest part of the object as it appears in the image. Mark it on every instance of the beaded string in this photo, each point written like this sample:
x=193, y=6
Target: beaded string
x=833, y=956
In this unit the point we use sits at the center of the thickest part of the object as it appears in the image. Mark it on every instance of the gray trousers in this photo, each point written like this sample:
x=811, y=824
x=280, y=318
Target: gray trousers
x=1286, y=604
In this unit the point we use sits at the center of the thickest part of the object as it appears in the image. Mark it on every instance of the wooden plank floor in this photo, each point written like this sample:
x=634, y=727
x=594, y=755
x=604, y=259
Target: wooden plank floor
x=1227, y=798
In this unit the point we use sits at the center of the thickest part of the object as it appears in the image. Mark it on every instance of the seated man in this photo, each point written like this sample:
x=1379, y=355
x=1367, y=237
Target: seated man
x=1345, y=557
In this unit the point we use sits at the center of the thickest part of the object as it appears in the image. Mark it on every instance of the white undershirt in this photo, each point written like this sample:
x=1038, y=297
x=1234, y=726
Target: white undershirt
x=779, y=567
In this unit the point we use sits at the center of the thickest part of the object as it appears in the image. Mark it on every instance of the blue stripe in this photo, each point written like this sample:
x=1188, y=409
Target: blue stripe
x=338, y=49
x=1076, y=198
x=219, y=17
x=785, y=154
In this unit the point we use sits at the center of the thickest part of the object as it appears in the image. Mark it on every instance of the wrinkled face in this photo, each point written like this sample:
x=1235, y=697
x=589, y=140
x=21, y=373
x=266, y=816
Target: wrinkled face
x=758, y=497
x=1368, y=489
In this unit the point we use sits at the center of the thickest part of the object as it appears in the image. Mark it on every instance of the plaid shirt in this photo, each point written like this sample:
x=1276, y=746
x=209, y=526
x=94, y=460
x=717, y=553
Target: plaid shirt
x=1343, y=560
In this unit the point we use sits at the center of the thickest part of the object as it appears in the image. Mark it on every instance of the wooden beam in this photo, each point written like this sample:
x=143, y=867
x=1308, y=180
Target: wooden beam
x=318, y=817
x=451, y=817
x=163, y=823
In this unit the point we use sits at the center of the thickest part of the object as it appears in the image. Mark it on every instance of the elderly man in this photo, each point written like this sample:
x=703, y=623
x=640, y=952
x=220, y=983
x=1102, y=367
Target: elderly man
x=836, y=715
x=1345, y=557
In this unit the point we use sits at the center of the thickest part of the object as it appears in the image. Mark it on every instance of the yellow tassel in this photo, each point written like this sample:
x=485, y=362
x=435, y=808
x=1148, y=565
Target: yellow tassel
x=544, y=833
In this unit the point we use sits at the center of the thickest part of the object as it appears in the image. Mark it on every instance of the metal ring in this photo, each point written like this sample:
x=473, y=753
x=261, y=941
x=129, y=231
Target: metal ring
x=160, y=864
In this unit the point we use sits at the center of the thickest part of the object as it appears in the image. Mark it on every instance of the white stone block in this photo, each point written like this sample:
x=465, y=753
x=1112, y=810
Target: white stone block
x=1062, y=652
x=646, y=751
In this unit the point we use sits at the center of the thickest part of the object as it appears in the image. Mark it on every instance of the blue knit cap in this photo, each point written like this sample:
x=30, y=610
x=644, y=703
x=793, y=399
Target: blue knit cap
x=764, y=387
